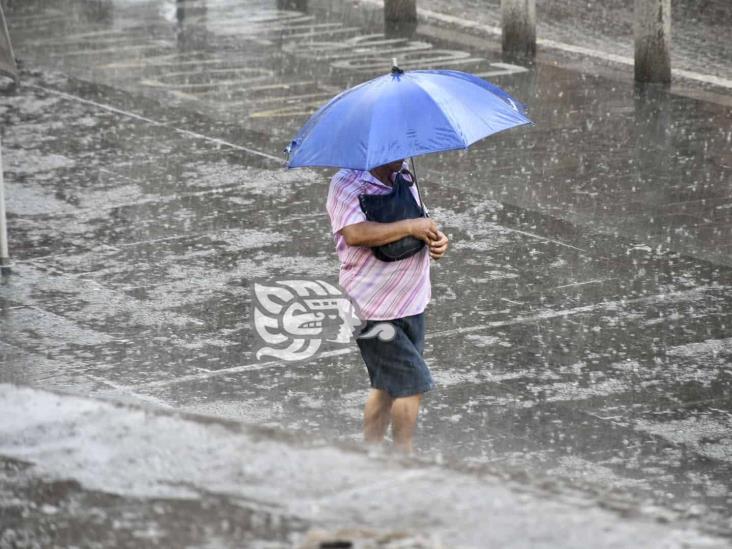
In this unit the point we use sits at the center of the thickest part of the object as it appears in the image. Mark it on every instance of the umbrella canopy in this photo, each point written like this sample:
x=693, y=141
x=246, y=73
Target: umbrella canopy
x=403, y=114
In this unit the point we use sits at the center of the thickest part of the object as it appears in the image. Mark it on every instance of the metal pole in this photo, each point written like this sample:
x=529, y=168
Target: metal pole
x=8, y=65
x=4, y=258
x=652, y=29
x=400, y=11
x=518, y=28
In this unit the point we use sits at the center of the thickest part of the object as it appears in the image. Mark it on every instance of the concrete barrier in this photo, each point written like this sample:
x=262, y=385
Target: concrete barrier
x=400, y=11
x=518, y=22
x=652, y=29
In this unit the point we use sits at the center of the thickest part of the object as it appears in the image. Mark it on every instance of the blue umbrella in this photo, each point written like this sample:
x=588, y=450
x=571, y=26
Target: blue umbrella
x=401, y=115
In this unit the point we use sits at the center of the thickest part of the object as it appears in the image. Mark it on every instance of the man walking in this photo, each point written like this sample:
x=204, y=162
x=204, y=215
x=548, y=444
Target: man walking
x=396, y=292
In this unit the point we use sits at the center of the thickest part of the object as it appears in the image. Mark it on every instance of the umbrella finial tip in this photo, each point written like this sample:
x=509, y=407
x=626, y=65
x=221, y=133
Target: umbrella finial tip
x=394, y=67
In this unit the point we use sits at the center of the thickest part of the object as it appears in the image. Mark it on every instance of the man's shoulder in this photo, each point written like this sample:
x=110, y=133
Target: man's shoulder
x=346, y=181
x=346, y=176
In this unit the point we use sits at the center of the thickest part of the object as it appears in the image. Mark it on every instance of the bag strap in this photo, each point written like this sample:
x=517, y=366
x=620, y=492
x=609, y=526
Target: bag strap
x=413, y=175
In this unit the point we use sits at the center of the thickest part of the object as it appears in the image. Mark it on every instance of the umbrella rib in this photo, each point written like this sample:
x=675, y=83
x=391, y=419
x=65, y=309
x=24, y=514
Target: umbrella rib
x=368, y=141
x=468, y=142
x=446, y=114
x=516, y=106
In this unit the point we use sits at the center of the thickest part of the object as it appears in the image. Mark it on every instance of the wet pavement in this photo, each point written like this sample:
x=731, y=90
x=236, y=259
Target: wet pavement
x=580, y=326
x=115, y=476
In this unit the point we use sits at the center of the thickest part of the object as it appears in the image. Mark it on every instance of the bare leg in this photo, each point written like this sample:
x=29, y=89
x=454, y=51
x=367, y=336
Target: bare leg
x=404, y=419
x=377, y=416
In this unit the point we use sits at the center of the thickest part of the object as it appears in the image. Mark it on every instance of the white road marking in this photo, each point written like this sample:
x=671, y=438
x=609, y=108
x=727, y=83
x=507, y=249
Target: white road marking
x=441, y=58
x=189, y=133
x=503, y=69
x=545, y=239
x=323, y=96
x=282, y=85
x=300, y=109
x=236, y=369
x=170, y=60
x=218, y=86
x=125, y=390
x=548, y=315
x=116, y=50
x=596, y=281
x=320, y=34
x=81, y=39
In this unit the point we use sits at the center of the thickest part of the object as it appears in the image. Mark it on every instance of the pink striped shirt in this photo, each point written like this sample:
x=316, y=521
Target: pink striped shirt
x=380, y=290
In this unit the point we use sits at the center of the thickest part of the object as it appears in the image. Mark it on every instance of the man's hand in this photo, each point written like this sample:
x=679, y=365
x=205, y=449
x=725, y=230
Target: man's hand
x=371, y=233
x=438, y=246
x=423, y=228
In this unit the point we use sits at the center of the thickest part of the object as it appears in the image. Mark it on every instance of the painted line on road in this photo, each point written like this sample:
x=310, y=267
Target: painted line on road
x=159, y=199
x=235, y=369
x=125, y=390
x=136, y=116
x=562, y=46
x=116, y=50
x=596, y=281
x=546, y=315
x=549, y=315
x=545, y=239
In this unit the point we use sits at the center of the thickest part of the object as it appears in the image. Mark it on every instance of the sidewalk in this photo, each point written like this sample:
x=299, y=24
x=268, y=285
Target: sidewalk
x=78, y=472
x=580, y=332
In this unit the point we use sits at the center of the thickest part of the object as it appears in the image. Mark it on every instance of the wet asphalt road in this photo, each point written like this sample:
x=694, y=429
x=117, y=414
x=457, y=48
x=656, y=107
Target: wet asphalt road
x=579, y=330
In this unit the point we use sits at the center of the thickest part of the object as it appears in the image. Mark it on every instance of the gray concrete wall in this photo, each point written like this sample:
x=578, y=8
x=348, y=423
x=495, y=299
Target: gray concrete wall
x=518, y=22
x=652, y=29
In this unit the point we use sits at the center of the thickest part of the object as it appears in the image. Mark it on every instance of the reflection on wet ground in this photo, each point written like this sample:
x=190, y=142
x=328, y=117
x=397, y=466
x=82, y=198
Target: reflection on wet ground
x=579, y=329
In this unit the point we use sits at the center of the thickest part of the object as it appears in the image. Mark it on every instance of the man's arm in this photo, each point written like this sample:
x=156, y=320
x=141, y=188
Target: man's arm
x=371, y=233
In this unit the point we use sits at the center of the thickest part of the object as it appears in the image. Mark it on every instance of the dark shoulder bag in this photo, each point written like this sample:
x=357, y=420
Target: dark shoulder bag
x=394, y=206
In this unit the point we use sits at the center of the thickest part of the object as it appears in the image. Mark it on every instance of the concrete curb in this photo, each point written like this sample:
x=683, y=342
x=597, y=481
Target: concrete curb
x=144, y=455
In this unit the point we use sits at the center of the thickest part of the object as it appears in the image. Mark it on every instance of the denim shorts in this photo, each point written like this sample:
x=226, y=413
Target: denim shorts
x=396, y=366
